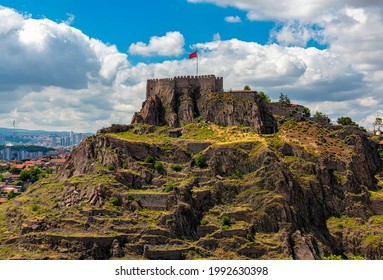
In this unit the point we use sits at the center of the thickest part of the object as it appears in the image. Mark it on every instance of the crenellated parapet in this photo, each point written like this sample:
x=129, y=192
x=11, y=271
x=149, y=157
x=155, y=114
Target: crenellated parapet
x=205, y=82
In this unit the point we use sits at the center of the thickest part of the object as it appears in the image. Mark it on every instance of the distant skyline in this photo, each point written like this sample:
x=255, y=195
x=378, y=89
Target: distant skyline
x=83, y=65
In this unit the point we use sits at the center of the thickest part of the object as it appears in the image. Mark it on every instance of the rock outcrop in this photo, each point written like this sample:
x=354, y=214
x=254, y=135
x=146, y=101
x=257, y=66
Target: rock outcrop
x=187, y=101
x=305, y=193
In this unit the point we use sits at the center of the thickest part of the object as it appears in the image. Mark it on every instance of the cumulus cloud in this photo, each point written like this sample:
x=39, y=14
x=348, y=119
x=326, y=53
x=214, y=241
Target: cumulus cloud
x=349, y=72
x=298, y=71
x=233, y=19
x=290, y=10
x=294, y=33
x=51, y=72
x=52, y=75
x=217, y=37
x=169, y=45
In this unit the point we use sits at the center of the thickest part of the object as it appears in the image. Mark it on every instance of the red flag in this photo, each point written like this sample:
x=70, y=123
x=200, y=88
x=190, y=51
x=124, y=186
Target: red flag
x=193, y=55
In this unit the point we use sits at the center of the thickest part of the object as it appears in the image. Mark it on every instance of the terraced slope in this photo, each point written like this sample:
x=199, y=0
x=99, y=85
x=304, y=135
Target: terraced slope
x=204, y=191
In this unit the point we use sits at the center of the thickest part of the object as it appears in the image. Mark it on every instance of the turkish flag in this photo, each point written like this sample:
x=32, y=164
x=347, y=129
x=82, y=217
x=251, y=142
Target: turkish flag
x=193, y=55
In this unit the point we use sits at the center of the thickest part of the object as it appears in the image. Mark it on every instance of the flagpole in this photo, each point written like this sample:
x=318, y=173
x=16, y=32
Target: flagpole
x=197, y=65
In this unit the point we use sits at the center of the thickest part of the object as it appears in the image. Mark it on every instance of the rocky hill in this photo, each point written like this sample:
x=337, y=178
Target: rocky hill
x=205, y=174
x=205, y=191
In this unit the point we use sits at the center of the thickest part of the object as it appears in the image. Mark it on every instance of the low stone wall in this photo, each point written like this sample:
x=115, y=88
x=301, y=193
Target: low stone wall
x=155, y=201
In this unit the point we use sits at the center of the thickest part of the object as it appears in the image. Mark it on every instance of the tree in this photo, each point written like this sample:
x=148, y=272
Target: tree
x=377, y=123
x=319, y=114
x=264, y=97
x=25, y=175
x=306, y=112
x=32, y=175
x=35, y=174
x=284, y=99
x=345, y=121
x=11, y=195
x=246, y=87
x=1, y=178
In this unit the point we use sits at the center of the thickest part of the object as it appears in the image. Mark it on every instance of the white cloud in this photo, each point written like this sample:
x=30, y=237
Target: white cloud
x=52, y=75
x=294, y=33
x=217, y=37
x=348, y=74
x=290, y=10
x=169, y=45
x=233, y=19
x=70, y=19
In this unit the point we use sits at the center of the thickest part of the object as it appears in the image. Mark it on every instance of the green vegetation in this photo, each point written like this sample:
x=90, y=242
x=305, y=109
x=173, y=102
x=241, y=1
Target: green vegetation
x=237, y=174
x=333, y=257
x=377, y=124
x=199, y=131
x=111, y=167
x=115, y=201
x=29, y=148
x=345, y=121
x=226, y=222
x=319, y=114
x=264, y=97
x=284, y=99
x=35, y=207
x=158, y=166
x=31, y=175
x=246, y=87
x=169, y=187
x=149, y=159
x=176, y=167
x=306, y=112
x=200, y=161
x=11, y=195
x=204, y=222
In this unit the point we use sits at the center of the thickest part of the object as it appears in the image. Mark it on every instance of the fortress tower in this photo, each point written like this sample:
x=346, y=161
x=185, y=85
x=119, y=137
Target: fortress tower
x=207, y=83
x=178, y=101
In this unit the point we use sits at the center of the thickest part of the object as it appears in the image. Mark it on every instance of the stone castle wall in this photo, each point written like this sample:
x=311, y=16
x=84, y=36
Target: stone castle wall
x=206, y=82
x=246, y=95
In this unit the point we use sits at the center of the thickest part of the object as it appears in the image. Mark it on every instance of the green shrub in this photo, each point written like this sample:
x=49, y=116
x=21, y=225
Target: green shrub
x=225, y=227
x=176, y=167
x=226, y=221
x=169, y=187
x=333, y=257
x=237, y=174
x=111, y=167
x=158, y=166
x=149, y=159
x=35, y=207
x=204, y=222
x=250, y=237
x=115, y=201
x=200, y=161
x=11, y=195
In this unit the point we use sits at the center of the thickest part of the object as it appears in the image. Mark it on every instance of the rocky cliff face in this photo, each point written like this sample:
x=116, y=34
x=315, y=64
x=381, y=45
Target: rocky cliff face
x=177, y=107
x=206, y=191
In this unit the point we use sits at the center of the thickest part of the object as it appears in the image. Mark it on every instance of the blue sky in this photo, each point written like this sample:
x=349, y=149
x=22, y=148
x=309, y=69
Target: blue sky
x=123, y=23
x=83, y=65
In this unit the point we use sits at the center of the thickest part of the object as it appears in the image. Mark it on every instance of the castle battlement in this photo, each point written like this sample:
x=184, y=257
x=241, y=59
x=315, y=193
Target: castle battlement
x=178, y=83
x=199, y=77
